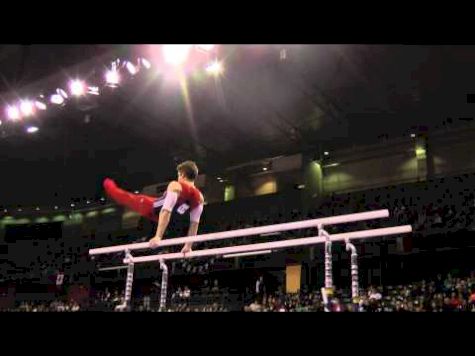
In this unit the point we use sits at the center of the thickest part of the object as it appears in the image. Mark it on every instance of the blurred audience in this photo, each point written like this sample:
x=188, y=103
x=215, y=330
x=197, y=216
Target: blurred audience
x=454, y=294
x=447, y=294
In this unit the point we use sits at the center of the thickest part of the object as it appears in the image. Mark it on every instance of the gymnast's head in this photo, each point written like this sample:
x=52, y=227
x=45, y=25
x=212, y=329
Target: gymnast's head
x=187, y=170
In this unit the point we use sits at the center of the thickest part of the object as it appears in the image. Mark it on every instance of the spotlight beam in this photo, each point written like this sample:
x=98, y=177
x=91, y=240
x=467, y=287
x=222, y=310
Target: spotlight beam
x=176, y=54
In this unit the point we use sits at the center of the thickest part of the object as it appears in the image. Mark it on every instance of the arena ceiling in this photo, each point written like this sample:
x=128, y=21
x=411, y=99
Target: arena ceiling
x=269, y=100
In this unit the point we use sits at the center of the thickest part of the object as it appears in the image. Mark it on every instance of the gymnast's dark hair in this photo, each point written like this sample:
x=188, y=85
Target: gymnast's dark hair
x=189, y=169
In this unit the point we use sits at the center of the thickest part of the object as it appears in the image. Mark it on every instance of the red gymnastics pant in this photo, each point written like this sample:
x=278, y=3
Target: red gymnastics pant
x=141, y=204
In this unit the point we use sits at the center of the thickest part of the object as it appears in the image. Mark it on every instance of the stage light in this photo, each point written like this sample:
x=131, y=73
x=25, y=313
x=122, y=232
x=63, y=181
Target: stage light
x=131, y=68
x=175, y=54
x=112, y=78
x=93, y=90
x=136, y=192
x=62, y=93
x=37, y=208
x=413, y=135
x=206, y=47
x=26, y=107
x=215, y=68
x=72, y=205
x=326, y=153
x=56, y=207
x=32, y=129
x=13, y=113
x=77, y=88
x=40, y=105
x=146, y=63
x=265, y=169
x=420, y=152
x=56, y=99
x=88, y=202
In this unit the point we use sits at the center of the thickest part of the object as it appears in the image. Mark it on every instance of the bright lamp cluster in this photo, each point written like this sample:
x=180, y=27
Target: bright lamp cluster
x=173, y=55
x=113, y=76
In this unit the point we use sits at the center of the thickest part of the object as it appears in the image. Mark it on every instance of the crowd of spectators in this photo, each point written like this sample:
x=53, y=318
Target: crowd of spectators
x=54, y=306
x=447, y=294
x=442, y=294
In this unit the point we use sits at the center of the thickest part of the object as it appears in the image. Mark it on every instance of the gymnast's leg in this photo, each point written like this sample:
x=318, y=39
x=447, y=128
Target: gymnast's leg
x=141, y=204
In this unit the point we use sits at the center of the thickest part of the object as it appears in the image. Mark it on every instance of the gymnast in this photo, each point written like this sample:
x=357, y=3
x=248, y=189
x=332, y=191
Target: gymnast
x=181, y=194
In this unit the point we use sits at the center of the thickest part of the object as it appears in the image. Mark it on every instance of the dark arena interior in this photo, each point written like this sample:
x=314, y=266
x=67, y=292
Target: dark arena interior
x=331, y=178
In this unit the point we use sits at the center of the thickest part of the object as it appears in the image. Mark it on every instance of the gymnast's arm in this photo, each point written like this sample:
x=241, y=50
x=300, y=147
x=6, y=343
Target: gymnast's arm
x=173, y=191
x=195, y=215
